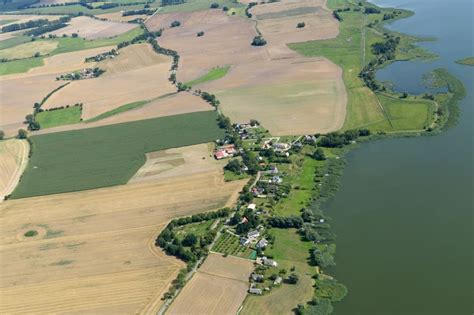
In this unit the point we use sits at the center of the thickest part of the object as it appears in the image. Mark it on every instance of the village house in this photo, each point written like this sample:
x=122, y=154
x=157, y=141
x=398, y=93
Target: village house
x=276, y=180
x=256, y=291
x=256, y=277
x=309, y=139
x=280, y=146
x=269, y=262
x=253, y=234
x=244, y=241
x=225, y=151
x=262, y=243
x=278, y=281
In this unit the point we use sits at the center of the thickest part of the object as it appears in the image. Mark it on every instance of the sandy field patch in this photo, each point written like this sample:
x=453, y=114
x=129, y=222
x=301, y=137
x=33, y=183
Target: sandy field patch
x=13, y=160
x=28, y=50
x=226, y=41
x=18, y=92
x=117, y=17
x=95, y=253
x=139, y=64
x=178, y=162
x=218, y=287
x=90, y=28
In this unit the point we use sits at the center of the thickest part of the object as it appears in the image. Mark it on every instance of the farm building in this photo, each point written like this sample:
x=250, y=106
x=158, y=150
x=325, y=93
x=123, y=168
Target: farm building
x=278, y=281
x=252, y=206
x=269, y=262
x=281, y=146
x=244, y=241
x=256, y=277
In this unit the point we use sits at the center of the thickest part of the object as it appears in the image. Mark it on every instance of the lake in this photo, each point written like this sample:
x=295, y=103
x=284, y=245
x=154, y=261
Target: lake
x=404, y=213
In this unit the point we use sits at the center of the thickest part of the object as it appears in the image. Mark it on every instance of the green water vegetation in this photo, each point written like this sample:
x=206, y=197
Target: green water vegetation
x=213, y=74
x=59, y=117
x=64, y=45
x=31, y=233
x=362, y=46
x=469, y=61
x=109, y=155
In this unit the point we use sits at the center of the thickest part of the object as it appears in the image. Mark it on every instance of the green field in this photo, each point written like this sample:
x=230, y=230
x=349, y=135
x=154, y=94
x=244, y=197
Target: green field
x=213, y=74
x=59, y=117
x=14, y=41
x=230, y=244
x=408, y=114
x=466, y=61
x=109, y=155
x=28, y=50
x=198, y=5
x=64, y=45
x=117, y=110
x=74, y=9
x=351, y=51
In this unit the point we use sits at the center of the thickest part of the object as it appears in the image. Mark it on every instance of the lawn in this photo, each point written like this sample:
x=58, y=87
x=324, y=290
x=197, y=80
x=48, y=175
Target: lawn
x=199, y=229
x=213, y=74
x=109, y=155
x=197, y=5
x=63, y=45
x=59, y=117
x=351, y=51
x=230, y=244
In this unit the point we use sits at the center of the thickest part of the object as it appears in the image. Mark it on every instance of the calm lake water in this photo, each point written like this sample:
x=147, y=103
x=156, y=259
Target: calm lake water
x=404, y=213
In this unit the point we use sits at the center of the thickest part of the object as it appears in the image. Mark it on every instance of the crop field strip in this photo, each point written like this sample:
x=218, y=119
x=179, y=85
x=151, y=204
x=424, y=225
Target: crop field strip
x=109, y=155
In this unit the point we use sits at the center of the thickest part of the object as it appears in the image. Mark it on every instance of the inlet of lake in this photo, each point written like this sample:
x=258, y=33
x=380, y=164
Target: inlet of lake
x=404, y=212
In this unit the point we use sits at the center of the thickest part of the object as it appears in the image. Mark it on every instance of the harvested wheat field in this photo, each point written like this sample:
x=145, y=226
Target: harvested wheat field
x=139, y=64
x=13, y=160
x=90, y=28
x=288, y=96
x=288, y=93
x=93, y=252
x=226, y=41
x=178, y=162
x=117, y=17
x=18, y=92
x=23, y=18
x=278, y=23
x=218, y=287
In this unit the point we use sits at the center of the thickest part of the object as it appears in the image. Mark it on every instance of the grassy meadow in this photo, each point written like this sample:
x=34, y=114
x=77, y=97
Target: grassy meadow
x=213, y=74
x=118, y=110
x=109, y=155
x=59, y=117
x=351, y=50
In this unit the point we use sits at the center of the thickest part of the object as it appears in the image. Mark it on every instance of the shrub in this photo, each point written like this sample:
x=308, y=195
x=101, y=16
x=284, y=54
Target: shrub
x=175, y=24
x=214, y=5
x=301, y=25
x=31, y=233
x=199, y=34
x=259, y=41
x=22, y=134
